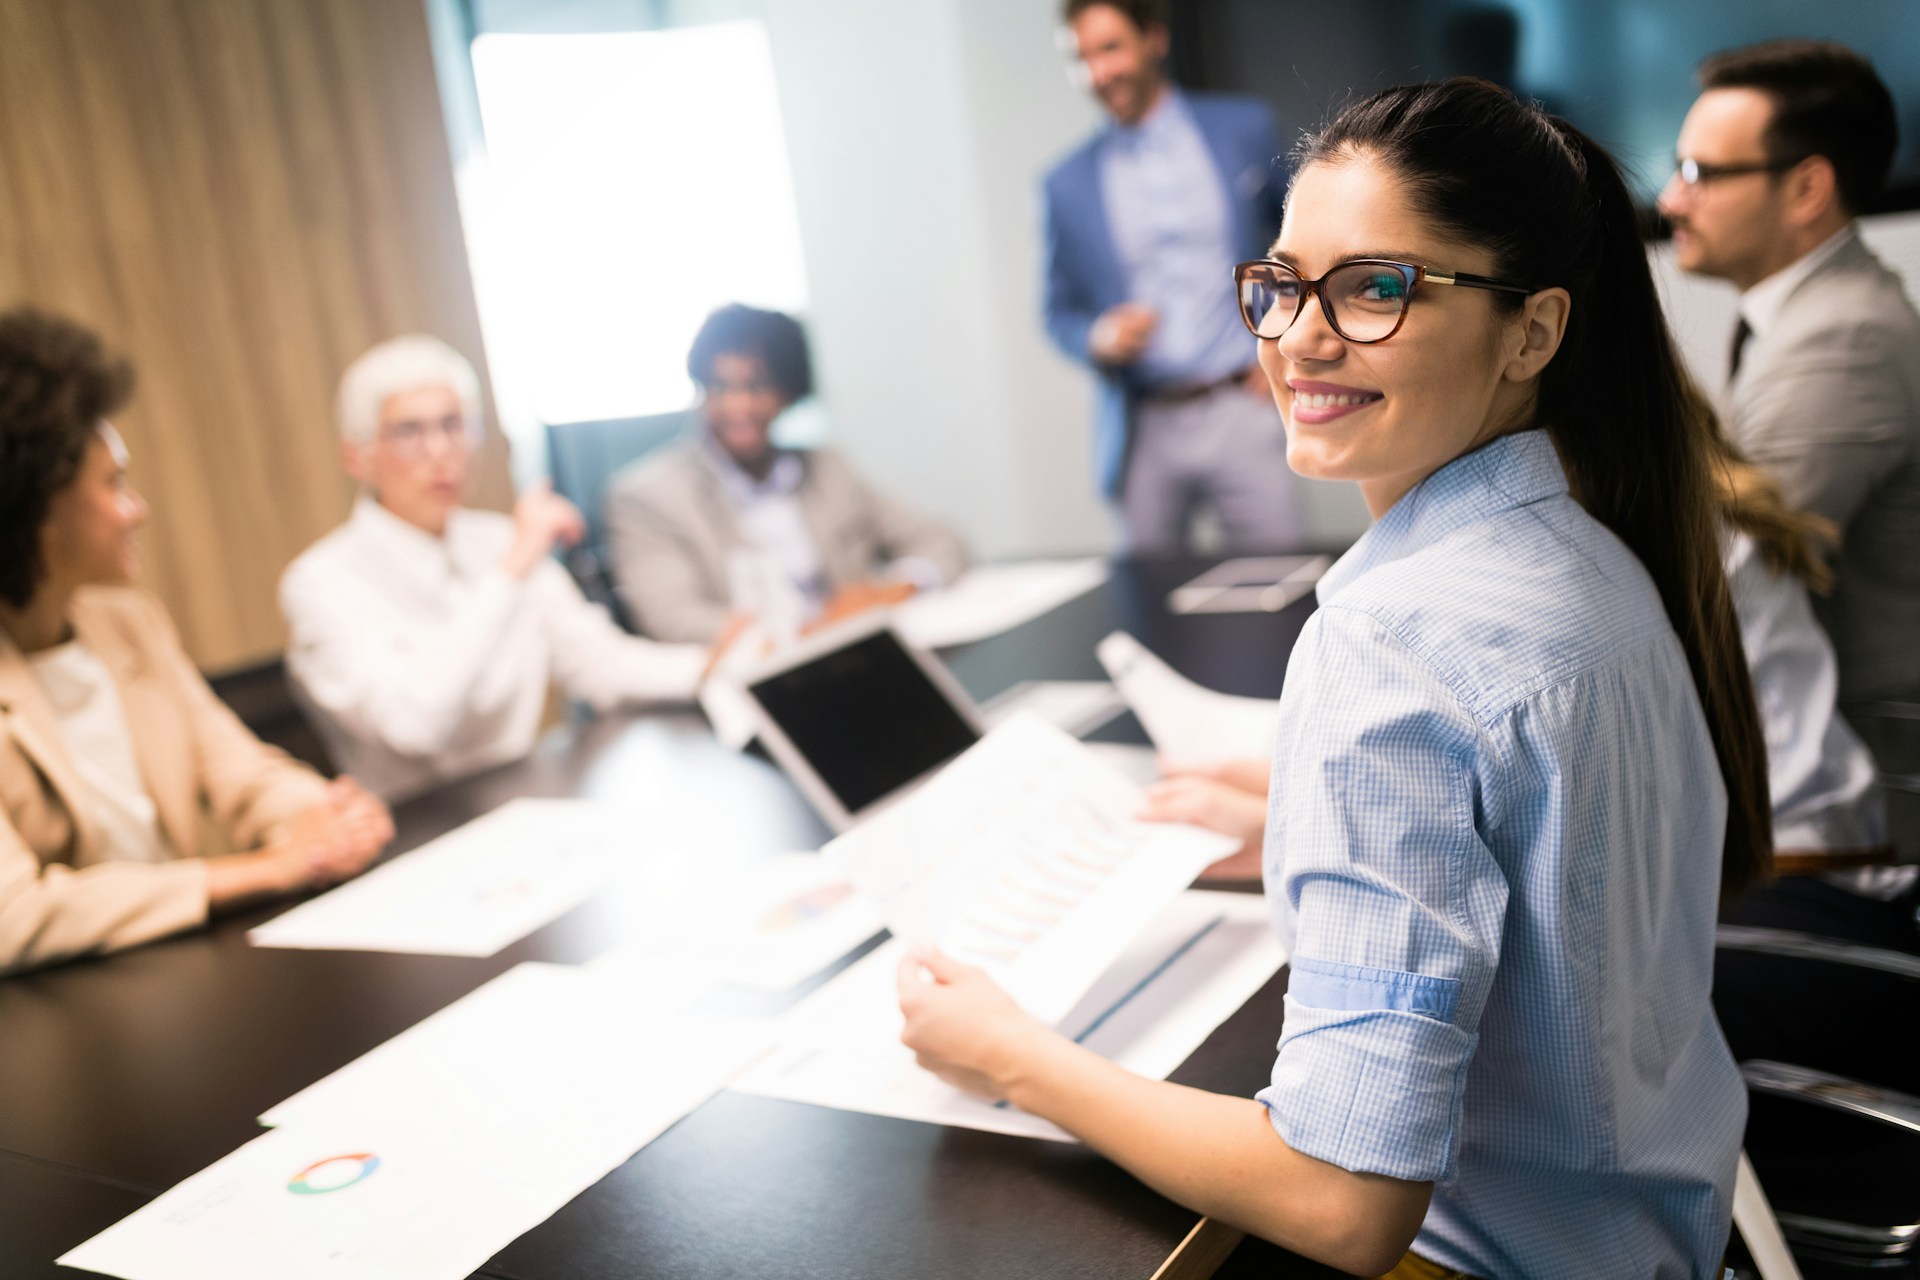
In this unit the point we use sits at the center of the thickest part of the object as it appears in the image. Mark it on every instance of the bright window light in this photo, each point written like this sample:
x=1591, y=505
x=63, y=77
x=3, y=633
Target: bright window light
x=634, y=182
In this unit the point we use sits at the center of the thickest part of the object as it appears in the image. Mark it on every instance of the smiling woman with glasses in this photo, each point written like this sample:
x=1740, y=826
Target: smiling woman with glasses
x=1517, y=760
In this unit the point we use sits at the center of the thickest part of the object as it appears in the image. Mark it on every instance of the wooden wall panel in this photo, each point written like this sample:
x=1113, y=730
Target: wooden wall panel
x=242, y=195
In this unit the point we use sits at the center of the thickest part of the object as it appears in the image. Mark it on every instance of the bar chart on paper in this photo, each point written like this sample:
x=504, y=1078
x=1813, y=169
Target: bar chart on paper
x=1055, y=864
x=1023, y=857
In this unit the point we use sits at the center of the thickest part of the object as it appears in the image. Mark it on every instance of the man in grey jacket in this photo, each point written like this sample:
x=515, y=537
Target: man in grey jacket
x=727, y=523
x=1787, y=144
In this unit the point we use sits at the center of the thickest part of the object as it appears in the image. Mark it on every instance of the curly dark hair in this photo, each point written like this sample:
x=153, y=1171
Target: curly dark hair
x=57, y=381
x=773, y=336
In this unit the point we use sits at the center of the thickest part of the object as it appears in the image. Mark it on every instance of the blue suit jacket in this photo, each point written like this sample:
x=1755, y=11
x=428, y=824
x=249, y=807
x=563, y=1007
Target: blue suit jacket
x=1083, y=270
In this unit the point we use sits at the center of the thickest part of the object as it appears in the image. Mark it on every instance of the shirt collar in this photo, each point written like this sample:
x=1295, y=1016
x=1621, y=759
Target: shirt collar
x=408, y=547
x=782, y=479
x=1168, y=118
x=1762, y=304
x=1503, y=474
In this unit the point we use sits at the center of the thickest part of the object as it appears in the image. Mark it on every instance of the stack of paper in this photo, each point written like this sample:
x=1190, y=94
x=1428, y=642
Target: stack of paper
x=995, y=598
x=1189, y=724
x=1024, y=856
x=1201, y=959
x=471, y=892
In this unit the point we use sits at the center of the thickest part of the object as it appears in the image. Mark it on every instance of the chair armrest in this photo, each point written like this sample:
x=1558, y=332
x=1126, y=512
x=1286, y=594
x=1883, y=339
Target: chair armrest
x=1851, y=1238
x=1884, y=710
x=1804, y=1084
x=1810, y=946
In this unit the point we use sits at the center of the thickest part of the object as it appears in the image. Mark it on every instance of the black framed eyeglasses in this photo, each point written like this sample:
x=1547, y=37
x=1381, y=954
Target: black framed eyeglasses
x=1364, y=300
x=1692, y=173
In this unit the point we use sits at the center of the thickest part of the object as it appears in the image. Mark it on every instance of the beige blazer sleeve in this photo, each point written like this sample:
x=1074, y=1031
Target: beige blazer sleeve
x=669, y=534
x=862, y=532
x=59, y=895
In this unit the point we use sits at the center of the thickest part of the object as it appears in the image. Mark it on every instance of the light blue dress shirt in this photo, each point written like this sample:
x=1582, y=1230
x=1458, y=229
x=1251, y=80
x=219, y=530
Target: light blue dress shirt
x=1166, y=204
x=1494, y=853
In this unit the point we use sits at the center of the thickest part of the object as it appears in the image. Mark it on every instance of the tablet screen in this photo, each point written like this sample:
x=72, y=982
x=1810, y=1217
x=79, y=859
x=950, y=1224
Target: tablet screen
x=866, y=717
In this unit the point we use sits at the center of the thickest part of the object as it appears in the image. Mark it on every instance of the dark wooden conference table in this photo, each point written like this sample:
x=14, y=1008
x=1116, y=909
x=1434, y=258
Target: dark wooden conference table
x=121, y=1076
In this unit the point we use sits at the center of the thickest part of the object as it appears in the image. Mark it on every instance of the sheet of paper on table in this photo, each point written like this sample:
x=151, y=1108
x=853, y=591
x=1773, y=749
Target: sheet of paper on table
x=1202, y=958
x=995, y=598
x=471, y=892
x=768, y=926
x=579, y=1055
x=1189, y=724
x=337, y=1201
x=1023, y=856
x=424, y=1157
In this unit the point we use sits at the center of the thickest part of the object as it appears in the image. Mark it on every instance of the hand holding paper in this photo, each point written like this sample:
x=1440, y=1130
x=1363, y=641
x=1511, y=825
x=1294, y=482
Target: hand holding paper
x=1024, y=857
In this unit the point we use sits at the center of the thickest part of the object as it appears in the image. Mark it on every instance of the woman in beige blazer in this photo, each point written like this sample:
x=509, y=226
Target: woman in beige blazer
x=111, y=743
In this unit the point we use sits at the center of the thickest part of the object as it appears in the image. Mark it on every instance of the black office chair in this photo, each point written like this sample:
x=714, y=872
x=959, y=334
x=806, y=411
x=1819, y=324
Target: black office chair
x=584, y=457
x=1837, y=1155
x=260, y=695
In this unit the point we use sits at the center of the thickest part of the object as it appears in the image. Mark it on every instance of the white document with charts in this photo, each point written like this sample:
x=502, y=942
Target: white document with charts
x=1024, y=857
x=1203, y=957
x=472, y=891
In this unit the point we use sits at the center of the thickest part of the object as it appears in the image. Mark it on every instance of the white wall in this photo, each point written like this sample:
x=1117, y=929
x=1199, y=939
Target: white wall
x=918, y=132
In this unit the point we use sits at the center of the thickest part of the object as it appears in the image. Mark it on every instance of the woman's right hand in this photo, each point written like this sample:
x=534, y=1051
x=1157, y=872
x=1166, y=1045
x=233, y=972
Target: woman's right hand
x=331, y=841
x=542, y=519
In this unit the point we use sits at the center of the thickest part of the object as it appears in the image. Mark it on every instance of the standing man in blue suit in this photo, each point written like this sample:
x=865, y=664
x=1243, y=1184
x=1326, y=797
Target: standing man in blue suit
x=1144, y=222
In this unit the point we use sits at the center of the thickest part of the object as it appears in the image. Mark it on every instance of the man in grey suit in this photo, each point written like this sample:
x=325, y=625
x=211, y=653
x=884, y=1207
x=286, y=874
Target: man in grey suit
x=726, y=523
x=1787, y=144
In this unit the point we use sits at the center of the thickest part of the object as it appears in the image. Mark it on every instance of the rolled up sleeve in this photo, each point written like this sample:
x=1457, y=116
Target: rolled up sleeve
x=1394, y=898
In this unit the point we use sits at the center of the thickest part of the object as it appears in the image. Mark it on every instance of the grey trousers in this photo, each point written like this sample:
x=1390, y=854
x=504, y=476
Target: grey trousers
x=1226, y=450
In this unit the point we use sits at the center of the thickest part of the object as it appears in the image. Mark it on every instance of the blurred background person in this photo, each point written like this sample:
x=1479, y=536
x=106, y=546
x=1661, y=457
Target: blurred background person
x=1790, y=141
x=1143, y=223
x=425, y=636
x=728, y=522
x=111, y=743
x=1832, y=859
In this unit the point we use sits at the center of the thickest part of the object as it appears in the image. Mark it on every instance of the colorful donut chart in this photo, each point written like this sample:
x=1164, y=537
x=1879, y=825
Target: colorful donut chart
x=335, y=1173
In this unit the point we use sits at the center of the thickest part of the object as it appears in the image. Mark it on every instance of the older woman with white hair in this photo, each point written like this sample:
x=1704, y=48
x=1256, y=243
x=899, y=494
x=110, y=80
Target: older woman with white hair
x=425, y=635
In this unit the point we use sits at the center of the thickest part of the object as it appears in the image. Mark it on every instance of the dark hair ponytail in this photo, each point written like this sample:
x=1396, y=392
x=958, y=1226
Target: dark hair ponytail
x=1638, y=443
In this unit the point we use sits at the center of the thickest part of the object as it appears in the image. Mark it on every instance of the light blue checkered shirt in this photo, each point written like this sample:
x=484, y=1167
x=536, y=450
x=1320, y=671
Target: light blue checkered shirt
x=1494, y=852
x=1167, y=206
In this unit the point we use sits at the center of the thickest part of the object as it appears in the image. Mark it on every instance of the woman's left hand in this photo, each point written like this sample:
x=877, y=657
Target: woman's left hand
x=960, y=1025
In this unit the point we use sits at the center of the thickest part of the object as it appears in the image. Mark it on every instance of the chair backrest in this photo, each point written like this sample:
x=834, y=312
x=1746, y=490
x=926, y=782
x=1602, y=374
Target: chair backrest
x=260, y=695
x=585, y=456
x=1816, y=1024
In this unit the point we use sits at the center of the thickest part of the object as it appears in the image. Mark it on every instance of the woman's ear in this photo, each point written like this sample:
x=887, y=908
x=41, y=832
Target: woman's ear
x=1534, y=335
